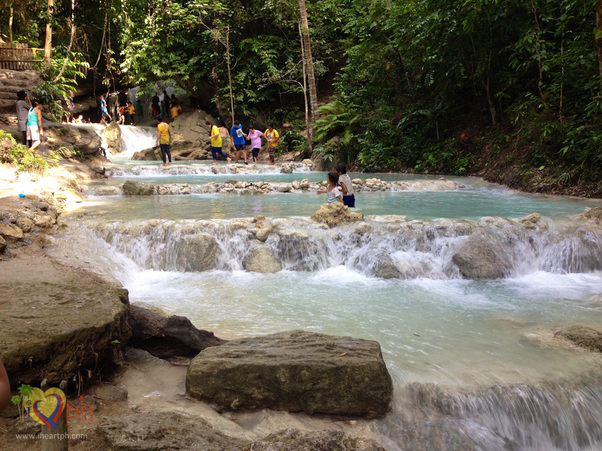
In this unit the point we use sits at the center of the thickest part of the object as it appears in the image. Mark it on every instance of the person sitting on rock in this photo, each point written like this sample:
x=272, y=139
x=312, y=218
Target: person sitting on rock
x=333, y=190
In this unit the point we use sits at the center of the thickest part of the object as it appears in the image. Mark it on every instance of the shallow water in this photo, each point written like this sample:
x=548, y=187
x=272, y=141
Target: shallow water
x=489, y=344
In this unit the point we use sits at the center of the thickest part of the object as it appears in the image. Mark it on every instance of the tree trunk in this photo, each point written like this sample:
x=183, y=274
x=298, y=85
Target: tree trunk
x=311, y=79
x=599, y=34
x=229, y=73
x=48, y=44
x=10, y=24
x=307, y=121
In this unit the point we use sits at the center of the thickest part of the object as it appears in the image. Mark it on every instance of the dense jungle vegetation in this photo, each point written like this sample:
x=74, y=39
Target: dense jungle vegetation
x=511, y=89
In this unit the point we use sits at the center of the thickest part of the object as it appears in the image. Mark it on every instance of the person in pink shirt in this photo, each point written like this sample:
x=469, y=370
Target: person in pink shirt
x=255, y=137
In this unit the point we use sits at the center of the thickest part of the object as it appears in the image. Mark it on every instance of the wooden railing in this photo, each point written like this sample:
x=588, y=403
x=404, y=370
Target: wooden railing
x=17, y=57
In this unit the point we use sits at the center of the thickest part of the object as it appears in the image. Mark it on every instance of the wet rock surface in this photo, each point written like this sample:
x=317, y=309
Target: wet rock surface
x=336, y=213
x=296, y=371
x=324, y=440
x=164, y=430
x=168, y=337
x=584, y=337
x=135, y=188
x=482, y=256
x=261, y=259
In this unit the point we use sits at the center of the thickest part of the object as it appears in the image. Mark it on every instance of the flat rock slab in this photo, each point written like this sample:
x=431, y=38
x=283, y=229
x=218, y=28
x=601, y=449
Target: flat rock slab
x=294, y=371
x=56, y=321
x=164, y=430
x=324, y=440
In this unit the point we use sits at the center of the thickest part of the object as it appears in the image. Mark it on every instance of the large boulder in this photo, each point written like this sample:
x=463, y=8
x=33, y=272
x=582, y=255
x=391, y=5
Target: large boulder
x=112, y=135
x=261, y=259
x=81, y=139
x=57, y=322
x=135, y=188
x=197, y=253
x=324, y=440
x=163, y=430
x=585, y=337
x=294, y=371
x=167, y=337
x=336, y=213
x=483, y=256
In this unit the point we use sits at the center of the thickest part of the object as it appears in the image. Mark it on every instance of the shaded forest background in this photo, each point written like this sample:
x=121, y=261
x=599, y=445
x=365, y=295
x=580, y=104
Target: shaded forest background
x=510, y=90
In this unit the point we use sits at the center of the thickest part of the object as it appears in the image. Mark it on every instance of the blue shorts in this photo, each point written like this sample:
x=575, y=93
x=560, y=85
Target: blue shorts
x=349, y=200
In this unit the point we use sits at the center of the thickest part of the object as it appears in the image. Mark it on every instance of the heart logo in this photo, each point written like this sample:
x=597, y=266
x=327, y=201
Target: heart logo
x=45, y=407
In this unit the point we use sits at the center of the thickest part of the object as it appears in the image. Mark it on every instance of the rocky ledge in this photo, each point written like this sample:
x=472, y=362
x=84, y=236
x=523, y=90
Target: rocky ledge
x=294, y=371
x=57, y=322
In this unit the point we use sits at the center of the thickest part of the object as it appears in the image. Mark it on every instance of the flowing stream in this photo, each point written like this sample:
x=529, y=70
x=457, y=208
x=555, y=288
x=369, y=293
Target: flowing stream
x=472, y=360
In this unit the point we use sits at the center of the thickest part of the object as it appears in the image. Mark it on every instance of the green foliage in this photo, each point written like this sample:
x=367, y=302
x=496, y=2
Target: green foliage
x=26, y=160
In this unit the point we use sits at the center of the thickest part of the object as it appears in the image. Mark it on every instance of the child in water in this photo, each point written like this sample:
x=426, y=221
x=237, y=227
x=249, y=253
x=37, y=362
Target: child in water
x=333, y=191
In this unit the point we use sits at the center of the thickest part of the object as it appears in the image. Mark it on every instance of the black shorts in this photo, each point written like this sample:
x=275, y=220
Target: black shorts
x=239, y=147
x=349, y=200
x=255, y=152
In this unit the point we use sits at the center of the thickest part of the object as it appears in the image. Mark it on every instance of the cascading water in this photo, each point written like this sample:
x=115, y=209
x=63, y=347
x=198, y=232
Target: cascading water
x=134, y=139
x=475, y=362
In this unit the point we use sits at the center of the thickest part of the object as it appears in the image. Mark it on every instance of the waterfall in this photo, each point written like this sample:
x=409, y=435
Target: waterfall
x=406, y=250
x=134, y=139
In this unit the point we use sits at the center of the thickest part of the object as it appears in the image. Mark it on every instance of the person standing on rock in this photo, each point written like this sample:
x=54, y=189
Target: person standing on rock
x=104, y=112
x=216, y=143
x=255, y=137
x=23, y=107
x=238, y=141
x=164, y=140
x=34, y=125
x=272, y=137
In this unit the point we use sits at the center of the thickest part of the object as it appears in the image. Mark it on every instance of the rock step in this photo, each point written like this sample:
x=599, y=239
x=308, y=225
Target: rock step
x=296, y=371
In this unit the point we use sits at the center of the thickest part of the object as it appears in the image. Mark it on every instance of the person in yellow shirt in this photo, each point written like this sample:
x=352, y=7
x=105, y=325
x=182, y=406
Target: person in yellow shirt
x=272, y=137
x=164, y=140
x=216, y=143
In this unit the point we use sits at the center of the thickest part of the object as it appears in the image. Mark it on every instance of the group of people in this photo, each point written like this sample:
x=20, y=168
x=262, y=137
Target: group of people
x=29, y=119
x=340, y=188
x=238, y=138
x=168, y=107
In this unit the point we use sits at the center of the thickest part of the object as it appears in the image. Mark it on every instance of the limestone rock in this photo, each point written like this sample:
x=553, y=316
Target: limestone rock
x=82, y=139
x=585, y=337
x=482, y=256
x=386, y=268
x=294, y=371
x=326, y=440
x=108, y=191
x=163, y=431
x=66, y=322
x=2, y=244
x=308, y=162
x=263, y=234
x=11, y=233
x=25, y=224
x=112, y=135
x=261, y=259
x=336, y=213
x=167, y=337
x=44, y=221
x=592, y=214
x=197, y=252
x=286, y=188
x=531, y=221
x=135, y=188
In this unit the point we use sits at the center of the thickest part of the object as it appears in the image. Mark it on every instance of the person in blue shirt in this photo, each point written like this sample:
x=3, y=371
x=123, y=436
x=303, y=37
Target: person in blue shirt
x=238, y=140
x=104, y=112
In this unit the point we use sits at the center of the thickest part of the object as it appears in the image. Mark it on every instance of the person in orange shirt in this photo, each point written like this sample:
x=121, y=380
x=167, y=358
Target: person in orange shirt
x=164, y=140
